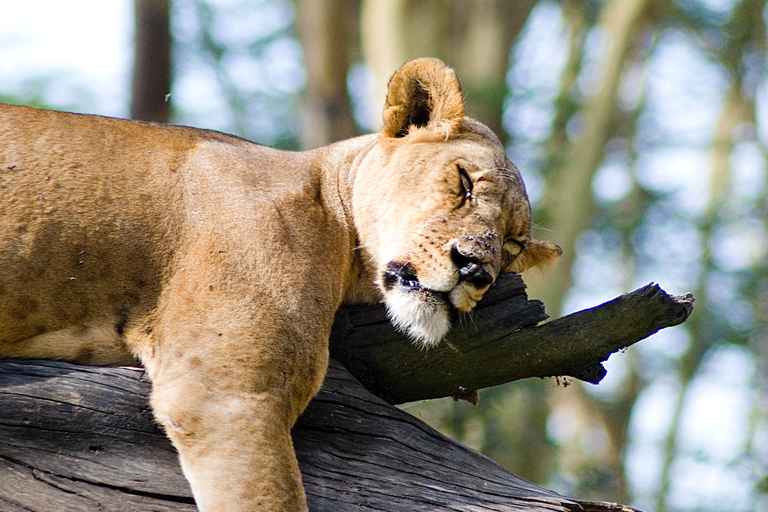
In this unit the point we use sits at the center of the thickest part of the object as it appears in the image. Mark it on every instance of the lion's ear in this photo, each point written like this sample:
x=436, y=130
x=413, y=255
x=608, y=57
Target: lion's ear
x=537, y=253
x=423, y=96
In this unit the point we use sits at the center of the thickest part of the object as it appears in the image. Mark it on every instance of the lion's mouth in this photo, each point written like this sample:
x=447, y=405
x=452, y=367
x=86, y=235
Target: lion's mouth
x=401, y=274
x=422, y=313
x=404, y=276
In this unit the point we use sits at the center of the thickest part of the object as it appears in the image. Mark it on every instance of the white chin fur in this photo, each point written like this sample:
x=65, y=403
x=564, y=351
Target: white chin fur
x=421, y=315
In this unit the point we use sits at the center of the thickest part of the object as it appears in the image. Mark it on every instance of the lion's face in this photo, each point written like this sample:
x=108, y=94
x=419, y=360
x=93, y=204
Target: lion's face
x=442, y=216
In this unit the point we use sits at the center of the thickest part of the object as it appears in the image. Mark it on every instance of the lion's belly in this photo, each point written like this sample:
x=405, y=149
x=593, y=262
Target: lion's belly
x=81, y=311
x=73, y=283
x=90, y=344
x=74, y=300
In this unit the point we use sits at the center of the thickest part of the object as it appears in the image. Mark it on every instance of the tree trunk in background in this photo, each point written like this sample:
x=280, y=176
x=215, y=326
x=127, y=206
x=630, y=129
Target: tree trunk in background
x=474, y=38
x=328, y=33
x=569, y=210
x=605, y=467
x=383, y=26
x=745, y=28
x=152, y=61
x=484, y=53
x=568, y=201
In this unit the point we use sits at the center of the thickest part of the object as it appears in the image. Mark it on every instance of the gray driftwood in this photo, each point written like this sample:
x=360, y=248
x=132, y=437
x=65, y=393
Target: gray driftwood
x=76, y=438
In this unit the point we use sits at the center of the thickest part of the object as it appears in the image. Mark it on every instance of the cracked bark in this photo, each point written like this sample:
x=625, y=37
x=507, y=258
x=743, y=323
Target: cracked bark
x=83, y=438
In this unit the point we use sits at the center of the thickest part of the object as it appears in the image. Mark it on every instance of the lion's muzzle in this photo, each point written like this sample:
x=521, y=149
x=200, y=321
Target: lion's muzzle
x=424, y=313
x=470, y=269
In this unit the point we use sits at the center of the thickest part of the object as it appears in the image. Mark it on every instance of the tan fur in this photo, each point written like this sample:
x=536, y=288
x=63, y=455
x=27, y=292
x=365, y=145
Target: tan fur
x=219, y=263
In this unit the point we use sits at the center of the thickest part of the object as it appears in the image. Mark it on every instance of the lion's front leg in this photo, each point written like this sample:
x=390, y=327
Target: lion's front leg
x=235, y=448
x=230, y=378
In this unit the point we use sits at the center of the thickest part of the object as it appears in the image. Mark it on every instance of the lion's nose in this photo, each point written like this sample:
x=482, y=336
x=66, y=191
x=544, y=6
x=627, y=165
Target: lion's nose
x=470, y=269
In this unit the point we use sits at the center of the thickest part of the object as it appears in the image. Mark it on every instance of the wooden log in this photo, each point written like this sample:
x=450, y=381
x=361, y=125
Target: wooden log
x=75, y=438
x=83, y=438
x=498, y=343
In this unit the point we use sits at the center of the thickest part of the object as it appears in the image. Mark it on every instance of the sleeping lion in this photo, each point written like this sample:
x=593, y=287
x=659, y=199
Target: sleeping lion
x=219, y=263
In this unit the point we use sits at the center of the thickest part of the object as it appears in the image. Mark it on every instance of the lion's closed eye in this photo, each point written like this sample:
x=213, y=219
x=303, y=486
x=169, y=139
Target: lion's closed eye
x=514, y=246
x=465, y=184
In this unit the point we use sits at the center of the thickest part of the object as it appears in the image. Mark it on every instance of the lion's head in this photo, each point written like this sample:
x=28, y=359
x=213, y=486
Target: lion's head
x=441, y=211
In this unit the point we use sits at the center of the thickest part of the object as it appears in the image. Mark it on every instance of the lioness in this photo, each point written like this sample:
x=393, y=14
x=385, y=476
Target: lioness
x=219, y=264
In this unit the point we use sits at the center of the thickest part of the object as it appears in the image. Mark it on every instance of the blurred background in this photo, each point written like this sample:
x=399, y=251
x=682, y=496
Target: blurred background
x=640, y=127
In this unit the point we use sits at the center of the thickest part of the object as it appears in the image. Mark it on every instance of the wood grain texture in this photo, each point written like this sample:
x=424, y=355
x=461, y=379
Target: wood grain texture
x=76, y=438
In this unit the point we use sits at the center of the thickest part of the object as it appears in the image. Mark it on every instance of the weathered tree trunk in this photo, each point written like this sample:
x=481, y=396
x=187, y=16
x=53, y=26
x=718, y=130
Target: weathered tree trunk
x=498, y=342
x=83, y=438
x=328, y=33
x=152, y=61
x=76, y=438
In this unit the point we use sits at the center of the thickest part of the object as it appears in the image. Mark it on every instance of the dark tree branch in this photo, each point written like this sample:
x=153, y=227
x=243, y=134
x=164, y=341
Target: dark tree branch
x=499, y=342
x=83, y=438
